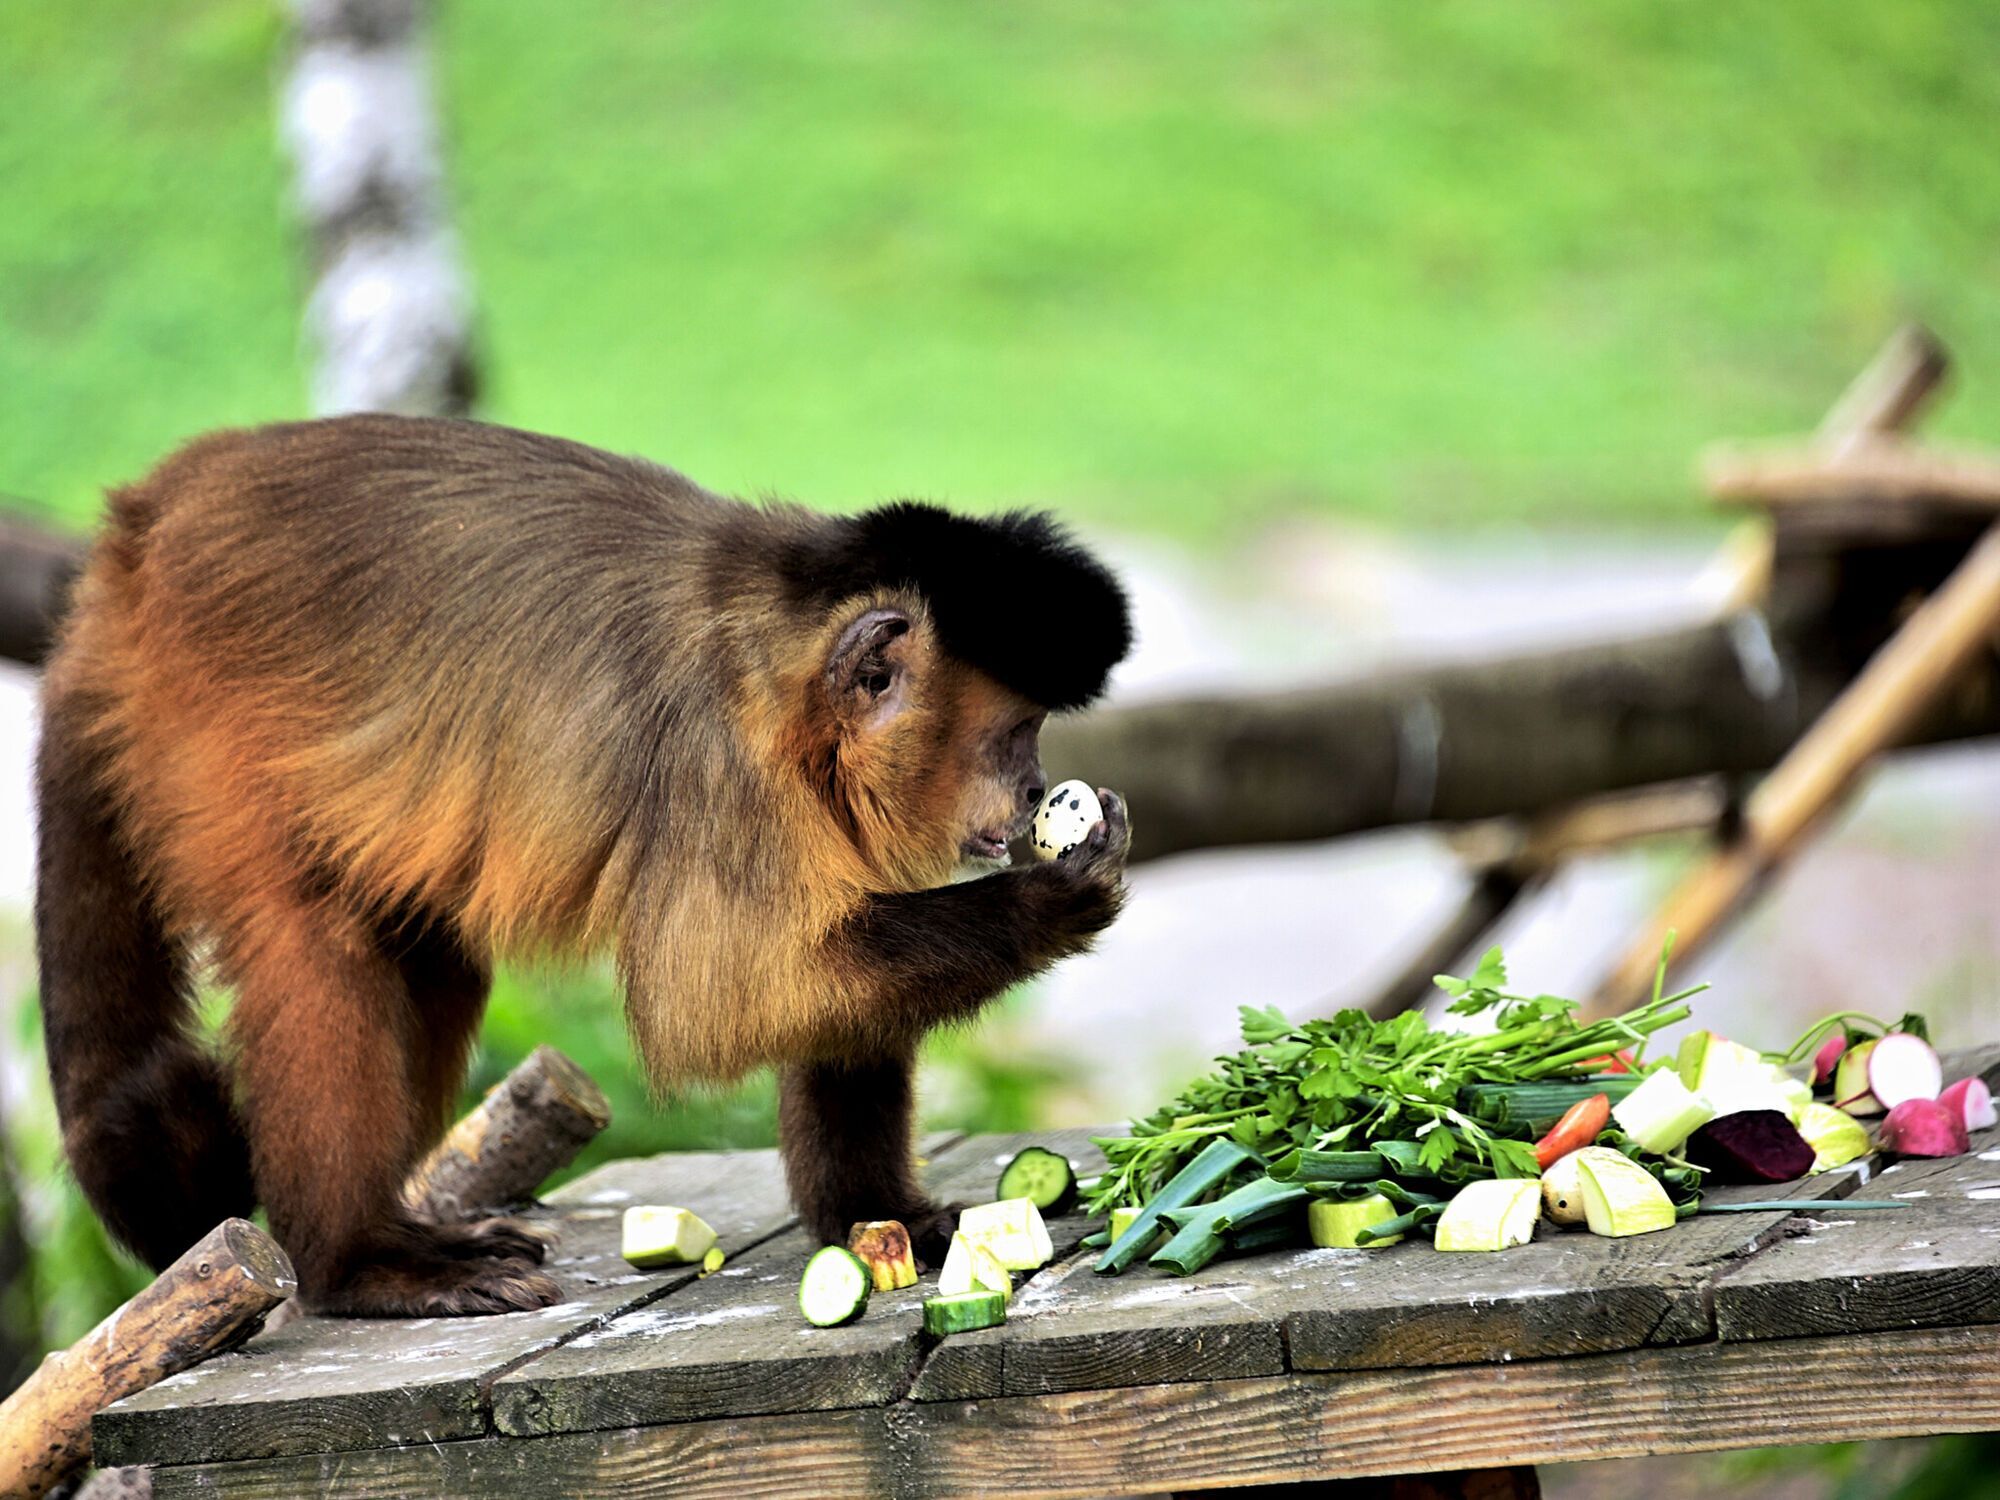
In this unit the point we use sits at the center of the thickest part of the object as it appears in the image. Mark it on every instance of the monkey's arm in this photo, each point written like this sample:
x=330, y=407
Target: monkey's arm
x=918, y=959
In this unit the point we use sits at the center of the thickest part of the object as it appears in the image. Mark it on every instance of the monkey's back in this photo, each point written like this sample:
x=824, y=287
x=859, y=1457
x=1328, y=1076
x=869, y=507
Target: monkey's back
x=436, y=662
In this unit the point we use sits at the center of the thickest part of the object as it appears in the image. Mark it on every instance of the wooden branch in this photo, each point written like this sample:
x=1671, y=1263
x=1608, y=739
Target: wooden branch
x=1912, y=672
x=531, y=1123
x=36, y=570
x=1881, y=488
x=209, y=1299
x=1892, y=392
x=1507, y=858
x=390, y=312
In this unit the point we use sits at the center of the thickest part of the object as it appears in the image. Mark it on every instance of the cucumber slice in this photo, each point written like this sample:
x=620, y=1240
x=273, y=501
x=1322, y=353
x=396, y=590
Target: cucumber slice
x=1042, y=1177
x=835, y=1287
x=655, y=1235
x=963, y=1312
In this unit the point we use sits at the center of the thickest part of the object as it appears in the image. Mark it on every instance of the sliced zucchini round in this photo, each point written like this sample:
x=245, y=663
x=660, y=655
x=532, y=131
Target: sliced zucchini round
x=835, y=1287
x=963, y=1312
x=1043, y=1177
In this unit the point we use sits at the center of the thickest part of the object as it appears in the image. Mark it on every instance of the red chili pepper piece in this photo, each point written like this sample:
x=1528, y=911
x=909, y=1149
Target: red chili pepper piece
x=1578, y=1127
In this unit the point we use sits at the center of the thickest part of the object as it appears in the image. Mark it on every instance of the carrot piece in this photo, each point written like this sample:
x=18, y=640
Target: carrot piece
x=1580, y=1125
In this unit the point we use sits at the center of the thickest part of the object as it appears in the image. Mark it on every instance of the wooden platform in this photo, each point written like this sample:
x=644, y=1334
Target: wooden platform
x=1728, y=1331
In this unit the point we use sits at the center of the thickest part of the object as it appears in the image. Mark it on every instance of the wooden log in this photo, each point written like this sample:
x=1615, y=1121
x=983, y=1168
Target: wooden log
x=1464, y=741
x=212, y=1297
x=1912, y=672
x=531, y=1123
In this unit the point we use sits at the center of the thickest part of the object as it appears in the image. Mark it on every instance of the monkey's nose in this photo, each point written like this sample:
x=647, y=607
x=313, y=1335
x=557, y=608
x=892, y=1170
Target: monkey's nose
x=1034, y=792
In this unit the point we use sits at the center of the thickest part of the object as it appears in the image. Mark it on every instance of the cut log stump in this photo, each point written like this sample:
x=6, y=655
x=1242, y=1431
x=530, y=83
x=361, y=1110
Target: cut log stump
x=531, y=1123
x=212, y=1297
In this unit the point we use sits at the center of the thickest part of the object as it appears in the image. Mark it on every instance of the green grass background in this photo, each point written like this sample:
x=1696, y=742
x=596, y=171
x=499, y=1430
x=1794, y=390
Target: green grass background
x=1180, y=266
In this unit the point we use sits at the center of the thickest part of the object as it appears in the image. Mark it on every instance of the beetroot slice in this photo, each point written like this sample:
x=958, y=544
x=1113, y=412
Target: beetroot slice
x=1752, y=1145
x=1924, y=1127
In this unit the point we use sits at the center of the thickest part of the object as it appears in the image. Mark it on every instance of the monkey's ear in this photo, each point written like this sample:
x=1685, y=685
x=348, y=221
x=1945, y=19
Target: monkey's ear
x=868, y=671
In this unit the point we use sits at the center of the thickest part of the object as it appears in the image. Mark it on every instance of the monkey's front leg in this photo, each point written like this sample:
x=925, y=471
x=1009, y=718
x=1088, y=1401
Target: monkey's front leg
x=909, y=962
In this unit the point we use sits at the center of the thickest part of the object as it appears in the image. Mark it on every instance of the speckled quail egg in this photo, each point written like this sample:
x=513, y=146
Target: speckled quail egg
x=1066, y=816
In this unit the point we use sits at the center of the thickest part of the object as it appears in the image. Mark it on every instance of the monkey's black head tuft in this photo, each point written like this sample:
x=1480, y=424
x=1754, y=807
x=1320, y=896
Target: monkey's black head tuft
x=1012, y=594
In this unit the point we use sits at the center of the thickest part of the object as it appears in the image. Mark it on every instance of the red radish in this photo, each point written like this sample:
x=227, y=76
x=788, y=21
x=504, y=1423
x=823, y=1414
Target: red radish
x=1923, y=1127
x=1903, y=1067
x=1828, y=1055
x=1974, y=1100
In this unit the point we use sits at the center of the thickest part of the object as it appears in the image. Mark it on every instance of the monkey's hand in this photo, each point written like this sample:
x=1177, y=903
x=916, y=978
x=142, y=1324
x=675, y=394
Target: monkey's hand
x=911, y=960
x=1100, y=858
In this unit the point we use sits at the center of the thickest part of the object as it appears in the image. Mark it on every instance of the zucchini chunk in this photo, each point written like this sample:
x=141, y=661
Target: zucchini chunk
x=962, y=1312
x=655, y=1235
x=835, y=1287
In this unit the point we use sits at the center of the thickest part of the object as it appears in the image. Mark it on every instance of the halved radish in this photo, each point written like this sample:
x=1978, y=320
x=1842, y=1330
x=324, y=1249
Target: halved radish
x=1923, y=1127
x=1827, y=1056
x=1903, y=1067
x=1973, y=1100
x=1850, y=1081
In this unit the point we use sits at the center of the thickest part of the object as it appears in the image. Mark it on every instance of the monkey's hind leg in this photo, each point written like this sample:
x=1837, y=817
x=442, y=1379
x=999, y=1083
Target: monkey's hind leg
x=147, y=1119
x=448, y=986
x=327, y=1035
x=846, y=1133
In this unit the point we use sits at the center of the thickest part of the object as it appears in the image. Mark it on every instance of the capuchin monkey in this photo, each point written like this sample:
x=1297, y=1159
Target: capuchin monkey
x=349, y=708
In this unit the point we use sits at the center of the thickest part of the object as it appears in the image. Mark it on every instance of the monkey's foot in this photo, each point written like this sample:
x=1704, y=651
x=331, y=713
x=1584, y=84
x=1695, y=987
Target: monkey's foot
x=431, y=1271
x=930, y=1229
x=506, y=1239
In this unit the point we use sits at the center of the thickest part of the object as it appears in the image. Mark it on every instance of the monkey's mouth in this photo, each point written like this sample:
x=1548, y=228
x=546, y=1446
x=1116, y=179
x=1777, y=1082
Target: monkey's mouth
x=987, y=843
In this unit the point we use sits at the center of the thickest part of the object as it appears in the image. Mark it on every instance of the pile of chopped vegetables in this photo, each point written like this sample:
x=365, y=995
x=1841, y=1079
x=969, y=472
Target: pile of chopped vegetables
x=1358, y=1132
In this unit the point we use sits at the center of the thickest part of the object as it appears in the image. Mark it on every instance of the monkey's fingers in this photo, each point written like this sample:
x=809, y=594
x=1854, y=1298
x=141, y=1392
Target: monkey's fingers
x=1117, y=823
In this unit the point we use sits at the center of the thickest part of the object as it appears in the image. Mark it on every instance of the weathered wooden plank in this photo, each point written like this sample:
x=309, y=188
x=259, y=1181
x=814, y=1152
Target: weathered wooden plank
x=734, y=1345
x=1197, y=1435
x=1935, y=1263
x=841, y=1455
x=1406, y=1305
x=327, y=1384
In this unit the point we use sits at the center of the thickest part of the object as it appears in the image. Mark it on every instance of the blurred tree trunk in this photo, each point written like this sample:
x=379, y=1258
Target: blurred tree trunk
x=390, y=314
x=1471, y=740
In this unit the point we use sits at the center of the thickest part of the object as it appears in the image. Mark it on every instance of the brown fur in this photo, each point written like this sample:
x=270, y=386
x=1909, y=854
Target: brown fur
x=361, y=705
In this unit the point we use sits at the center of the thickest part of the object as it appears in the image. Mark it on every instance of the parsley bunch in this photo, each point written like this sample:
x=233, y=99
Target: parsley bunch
x=1439, y=1107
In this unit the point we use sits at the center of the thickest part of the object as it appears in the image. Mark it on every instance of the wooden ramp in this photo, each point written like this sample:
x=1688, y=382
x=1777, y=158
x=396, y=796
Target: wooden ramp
x=1730, y=1331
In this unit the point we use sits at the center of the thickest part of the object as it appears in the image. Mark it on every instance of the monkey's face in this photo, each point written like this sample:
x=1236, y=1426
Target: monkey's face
x=941, y=765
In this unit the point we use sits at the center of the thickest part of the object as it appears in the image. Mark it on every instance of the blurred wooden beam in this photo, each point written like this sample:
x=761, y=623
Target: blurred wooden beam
x=36, y=570
x=1919, y=666
x=1903, y=378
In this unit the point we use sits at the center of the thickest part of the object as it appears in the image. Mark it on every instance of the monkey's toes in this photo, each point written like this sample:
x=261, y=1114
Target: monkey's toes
x=513, y=1239
x=492, y=1287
